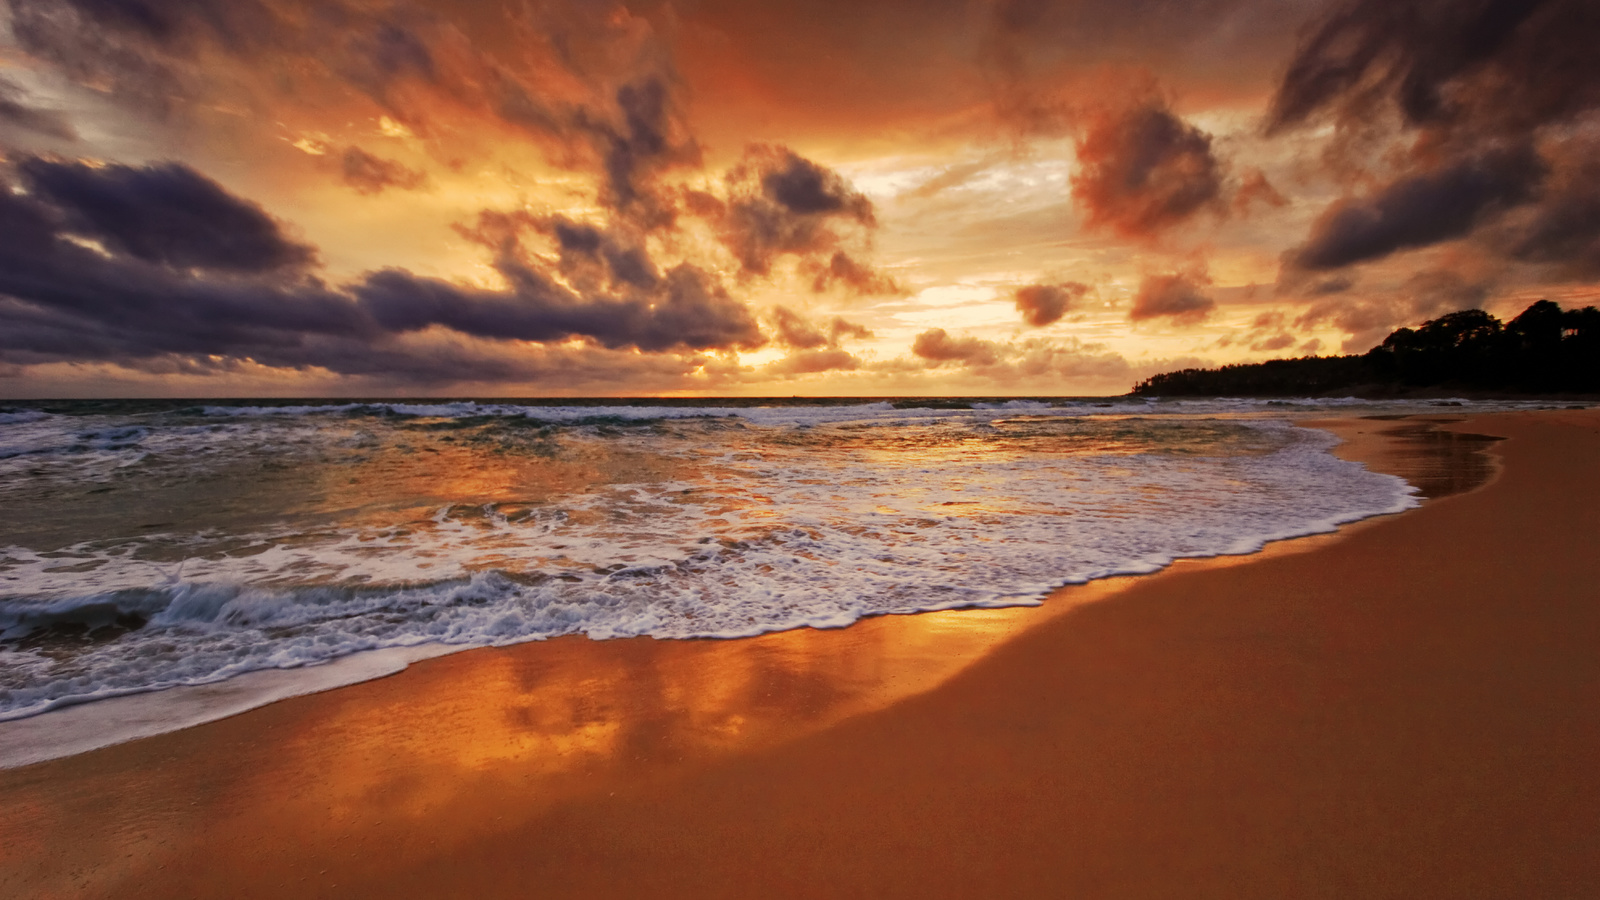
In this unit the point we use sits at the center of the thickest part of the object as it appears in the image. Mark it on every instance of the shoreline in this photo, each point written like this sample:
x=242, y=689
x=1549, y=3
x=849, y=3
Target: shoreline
x=786, y=765
x=87, y=726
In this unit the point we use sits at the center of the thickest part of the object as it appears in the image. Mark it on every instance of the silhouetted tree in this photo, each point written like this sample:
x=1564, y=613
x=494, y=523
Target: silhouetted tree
x=1544, y=349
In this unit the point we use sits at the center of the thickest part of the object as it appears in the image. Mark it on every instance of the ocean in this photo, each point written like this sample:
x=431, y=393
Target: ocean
x=156, y=545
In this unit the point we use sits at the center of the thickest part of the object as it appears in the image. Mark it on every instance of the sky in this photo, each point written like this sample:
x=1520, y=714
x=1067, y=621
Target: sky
x=209, y=198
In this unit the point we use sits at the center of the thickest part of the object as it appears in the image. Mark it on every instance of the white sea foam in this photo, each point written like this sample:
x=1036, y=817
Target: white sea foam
x=90, y=726
x=17, y=417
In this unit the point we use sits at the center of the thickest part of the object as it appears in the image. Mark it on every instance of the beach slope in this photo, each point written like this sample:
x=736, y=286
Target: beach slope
x=1407, y=710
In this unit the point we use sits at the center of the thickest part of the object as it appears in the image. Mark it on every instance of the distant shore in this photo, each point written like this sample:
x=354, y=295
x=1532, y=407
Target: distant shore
x=1403, y=709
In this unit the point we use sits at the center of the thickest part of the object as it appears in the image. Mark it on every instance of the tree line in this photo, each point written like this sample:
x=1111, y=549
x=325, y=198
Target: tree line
x=1545, y=350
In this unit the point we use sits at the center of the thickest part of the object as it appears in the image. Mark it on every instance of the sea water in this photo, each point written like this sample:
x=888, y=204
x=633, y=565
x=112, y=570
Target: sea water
x=148, y=546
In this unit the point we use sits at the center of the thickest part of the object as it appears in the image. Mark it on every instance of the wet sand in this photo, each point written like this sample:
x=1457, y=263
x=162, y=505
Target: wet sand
x=1406, y=709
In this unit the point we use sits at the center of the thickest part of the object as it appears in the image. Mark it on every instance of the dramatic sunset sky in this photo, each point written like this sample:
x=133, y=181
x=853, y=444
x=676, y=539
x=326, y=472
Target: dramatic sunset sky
x=427, y=197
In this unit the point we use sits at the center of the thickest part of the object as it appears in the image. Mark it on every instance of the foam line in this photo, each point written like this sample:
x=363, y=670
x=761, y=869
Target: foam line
x=89, y=726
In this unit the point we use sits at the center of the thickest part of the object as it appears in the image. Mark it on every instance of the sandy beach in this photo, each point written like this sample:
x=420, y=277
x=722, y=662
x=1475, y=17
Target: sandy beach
x=1405, y=709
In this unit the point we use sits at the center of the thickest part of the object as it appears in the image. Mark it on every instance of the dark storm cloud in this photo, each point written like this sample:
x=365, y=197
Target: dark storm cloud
x=537, y=310
x=780, y=203
x=183, y=294
x=15, y=111
x=370, y=174
x=1178, y=297
x=1142, y=169
x=1565, y=228
x=613, y=293
x=1491, y=65
x=1420, y=210
x=71, y=302
x=803, y=187
x=589, y=256
x=625, y=260
x=689, y=311
x=642, y=138
x=1042, y=304
x=1460, y=75
x=647, y=140
x=167, y=214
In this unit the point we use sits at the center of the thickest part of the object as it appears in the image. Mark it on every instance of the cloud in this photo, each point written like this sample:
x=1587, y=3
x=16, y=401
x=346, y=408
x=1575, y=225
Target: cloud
x=15, y=112
x=799, y=333
x=593, y=86
x=840, y=328
x=1069, y=359
x=383, y=53
x=1564, y=228
x=1177, y=296
x=1492, y=96
x=858, y=277
x=590, y=256
x=69, y=302
x=1254, y=188
x=143, y=52
x=370, y=174
x=1420, y=209
x=1367, y=320
x=805, y=188
x=1267, y=333
x=808, y=362
x=1141, y=169
x=167, y=214
x=1028, y=47
x=687, y=310
x=1042, y=304
x=937, y=346
x=780, y=203
x=1275, y=342
x=1056, y=361
x=952, y=176
x=813, y=347
x=1336, y=284
x=647, y=140
x=793, y=330
x=1490, y=66
x=179, y=295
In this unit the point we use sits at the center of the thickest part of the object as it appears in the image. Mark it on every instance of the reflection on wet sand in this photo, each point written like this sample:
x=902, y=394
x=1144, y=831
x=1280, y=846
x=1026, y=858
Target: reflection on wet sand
x=415, y=760
x=1437, y=460
x=428, y=762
